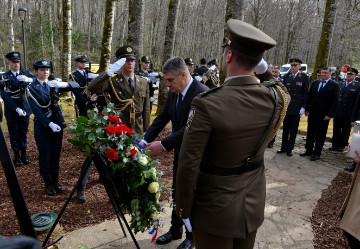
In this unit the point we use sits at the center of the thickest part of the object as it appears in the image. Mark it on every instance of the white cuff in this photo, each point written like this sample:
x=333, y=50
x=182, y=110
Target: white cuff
x=144, y=142
x=163, y=146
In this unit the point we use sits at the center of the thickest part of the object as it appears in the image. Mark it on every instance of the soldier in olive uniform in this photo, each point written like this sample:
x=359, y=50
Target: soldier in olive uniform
x=128, y=92
x=16, y=108
x=297, y=84
x=348, y=92
x=220, y=183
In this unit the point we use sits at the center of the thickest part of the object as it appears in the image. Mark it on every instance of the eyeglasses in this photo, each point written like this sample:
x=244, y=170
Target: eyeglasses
x=294, y=65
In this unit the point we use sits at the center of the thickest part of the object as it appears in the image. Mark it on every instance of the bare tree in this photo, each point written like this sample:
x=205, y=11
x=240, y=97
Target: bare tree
x=11, y=25
x=234, y=9
x=67, y=28
x=326, y=35
x=136, y=20
x=171, y=26
x=107, y=35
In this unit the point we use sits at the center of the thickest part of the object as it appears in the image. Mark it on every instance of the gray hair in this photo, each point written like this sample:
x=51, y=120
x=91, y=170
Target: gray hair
x=175, y=65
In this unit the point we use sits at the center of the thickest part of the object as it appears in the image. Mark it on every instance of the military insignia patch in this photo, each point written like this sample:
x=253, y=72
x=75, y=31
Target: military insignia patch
x=190, y=118
x=129, y=49
x=44, y=63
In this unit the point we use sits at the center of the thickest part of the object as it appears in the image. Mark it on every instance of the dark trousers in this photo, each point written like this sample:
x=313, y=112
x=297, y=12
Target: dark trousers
x=290, y=130
x=84, y=178
x=177, y=223
x=341, y=132
x=204, y=240
x=316, y=134
x=49, y=145
x=353, y=242
x=18, y=128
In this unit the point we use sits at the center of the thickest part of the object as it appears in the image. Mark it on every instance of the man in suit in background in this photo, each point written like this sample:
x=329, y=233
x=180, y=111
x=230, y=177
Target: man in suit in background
x=183, y=88
x=297, y=84
x=320, y=108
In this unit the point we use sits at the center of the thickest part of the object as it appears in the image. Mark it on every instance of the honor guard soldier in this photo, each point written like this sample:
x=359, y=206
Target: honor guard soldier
x=220, y=183
x=348, y=92
x=190, y=64
x=149, y=76
x=128, y=92
x=82, y=77
x=16, y=108
x=297, y=84
x=48, y=124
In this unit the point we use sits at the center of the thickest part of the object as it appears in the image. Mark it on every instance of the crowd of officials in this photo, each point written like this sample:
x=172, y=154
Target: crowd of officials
x=218, y=169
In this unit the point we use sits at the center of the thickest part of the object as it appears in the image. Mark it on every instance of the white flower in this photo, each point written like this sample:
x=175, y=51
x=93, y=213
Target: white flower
x=143, y=159
x=125, y=160
x=153, y=187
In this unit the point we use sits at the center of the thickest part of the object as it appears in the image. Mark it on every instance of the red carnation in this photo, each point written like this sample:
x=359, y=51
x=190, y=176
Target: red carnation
x=132, y=153
x=101, y=114
x=111, y=129
x=114, y=119
x=111, y=154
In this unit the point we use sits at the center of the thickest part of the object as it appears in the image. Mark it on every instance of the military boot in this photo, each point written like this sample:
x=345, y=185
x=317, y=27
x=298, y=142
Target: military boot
x=49, y=188
x=55, y=182
x=24, y=159
x=17, y=160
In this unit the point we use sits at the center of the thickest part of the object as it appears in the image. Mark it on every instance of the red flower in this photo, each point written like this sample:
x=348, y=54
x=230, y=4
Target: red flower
x=111, y=129
x=101, y=114
x=111, y=154
x=121, y=129
x=114, y=119
x=132, y=153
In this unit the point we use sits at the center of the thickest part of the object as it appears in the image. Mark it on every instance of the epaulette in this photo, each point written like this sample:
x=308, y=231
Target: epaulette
x=208, y=91
x=268, y=83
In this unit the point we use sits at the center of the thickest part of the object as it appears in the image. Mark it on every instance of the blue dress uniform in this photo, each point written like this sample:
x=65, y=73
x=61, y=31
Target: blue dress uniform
x=14, y=97
x=43, y=102
x=297, y=86
x=348, y=92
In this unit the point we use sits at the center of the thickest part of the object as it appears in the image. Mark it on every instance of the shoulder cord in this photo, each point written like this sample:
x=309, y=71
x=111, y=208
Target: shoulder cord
x=283, y=111
x=31, y=96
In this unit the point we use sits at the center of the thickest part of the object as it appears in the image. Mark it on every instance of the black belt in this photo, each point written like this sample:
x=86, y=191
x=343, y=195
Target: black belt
x=221, y=171
x=127, y=114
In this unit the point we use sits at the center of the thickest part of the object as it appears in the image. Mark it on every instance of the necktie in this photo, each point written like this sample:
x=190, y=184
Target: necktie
x=131, y=85
x=179, y=101
x=322, y=84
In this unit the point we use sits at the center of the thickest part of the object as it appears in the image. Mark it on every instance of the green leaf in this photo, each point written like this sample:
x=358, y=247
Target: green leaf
x=92, y=137
x=82, y=120
x=80, y=128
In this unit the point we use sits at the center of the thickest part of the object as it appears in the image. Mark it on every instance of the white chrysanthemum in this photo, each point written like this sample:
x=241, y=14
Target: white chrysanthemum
x=143, y=159
x=153, y=187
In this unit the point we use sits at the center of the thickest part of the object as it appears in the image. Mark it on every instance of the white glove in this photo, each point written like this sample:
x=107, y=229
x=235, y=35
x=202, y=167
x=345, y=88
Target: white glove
x=58, y=84
x=54, y=127
x=154, y=74
x=92, y=75
x=261, y=67
x=23, y=78
x=302, y=111
x=21, y=112
x=212, y=68
x=188, y=224
x=116, y=66
x=152, y=99
x=198, y=78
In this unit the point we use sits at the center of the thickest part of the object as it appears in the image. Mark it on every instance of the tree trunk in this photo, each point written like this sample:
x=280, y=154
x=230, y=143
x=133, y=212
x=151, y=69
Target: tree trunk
x=136, y=21
x=51, y=33
x=326, y=35
x=107, y=35
x=67, y=28
x=168, y=52
x=11, y=26
x=235, y=9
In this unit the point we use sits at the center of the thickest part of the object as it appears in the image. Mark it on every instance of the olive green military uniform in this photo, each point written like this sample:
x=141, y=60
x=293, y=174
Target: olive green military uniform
x=121, y=95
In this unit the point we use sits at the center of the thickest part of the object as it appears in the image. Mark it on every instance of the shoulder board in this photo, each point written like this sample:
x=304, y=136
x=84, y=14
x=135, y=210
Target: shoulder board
x=203, y=94
x=268, y=83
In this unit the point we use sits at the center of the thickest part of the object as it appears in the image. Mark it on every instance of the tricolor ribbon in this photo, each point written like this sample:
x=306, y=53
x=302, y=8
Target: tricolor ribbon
x=154, y=231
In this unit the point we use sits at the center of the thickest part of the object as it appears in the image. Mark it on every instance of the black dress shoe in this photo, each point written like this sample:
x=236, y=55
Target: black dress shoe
x=58, y=189
x=50, y=191
x=306, y=154
x=25, y=161
x=350, y=168
x=186, y=244
x=18, y=162
x=281, y=151
x=167, y=238
x=314, y=158
x=289, y=153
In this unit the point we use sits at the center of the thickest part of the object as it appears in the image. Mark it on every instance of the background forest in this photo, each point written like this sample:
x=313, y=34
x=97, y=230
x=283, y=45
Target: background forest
x=198, y=28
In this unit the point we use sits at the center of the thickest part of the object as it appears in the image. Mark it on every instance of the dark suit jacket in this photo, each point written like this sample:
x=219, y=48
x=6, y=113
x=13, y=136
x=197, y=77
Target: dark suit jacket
x=298, y=90
x=347, y=99
x=174, y=140
x=324, y=102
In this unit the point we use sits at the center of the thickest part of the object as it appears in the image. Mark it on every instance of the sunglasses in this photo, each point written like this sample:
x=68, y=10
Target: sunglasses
x=294, y=65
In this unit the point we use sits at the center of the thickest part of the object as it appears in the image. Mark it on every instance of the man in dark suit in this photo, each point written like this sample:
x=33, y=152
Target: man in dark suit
x=348, y=92
x=320, y=108
x=16, y=108
x=297, y=84
x=182, y=90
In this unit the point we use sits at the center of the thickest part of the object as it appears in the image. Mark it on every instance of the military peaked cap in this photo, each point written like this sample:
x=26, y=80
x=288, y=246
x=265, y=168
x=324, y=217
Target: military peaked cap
x=13, y=56
x=352, y=70
x=127, y=52
x=189, y=61
x=80, y=58
x=247, y=39
x=295, y=60
x=145, y=59
x=42, y=64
